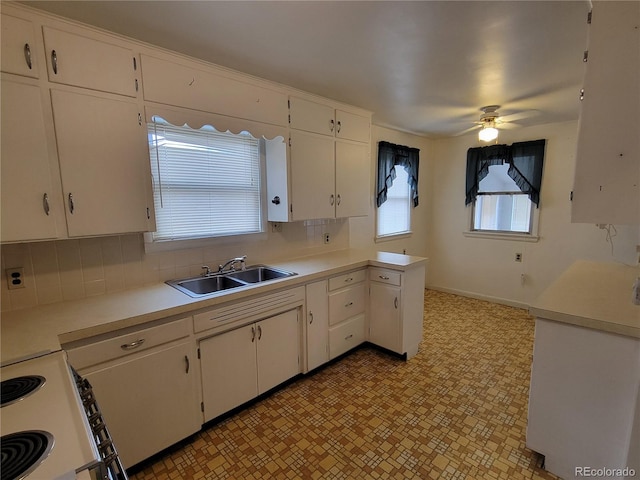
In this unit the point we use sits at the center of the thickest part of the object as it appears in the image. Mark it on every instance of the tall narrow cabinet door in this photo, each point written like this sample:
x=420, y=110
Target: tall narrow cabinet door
x=384, y=321
x=352, y=179
x=278, y=350
x=29, y=202
x=317, y=324
x=104, y=163
x=313, y=173
x=229, y=370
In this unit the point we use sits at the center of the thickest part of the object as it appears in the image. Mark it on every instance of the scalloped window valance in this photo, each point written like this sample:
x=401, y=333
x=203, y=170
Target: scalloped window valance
x=525, y=161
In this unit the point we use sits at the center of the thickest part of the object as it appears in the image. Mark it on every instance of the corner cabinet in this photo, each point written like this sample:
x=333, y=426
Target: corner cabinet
x=146, y=386
x=607, y=177
x=328, y=172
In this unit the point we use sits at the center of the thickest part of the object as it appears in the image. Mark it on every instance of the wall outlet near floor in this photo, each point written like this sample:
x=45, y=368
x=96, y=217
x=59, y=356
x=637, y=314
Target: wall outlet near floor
x=518, y=257
x=326, y=238
x=15, y=278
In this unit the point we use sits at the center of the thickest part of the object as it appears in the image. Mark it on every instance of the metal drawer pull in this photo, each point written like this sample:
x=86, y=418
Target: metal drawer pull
x=259, y=332
x=331, y=200
x=383, y=277
x=395, y=303
x=253, y=334
x=54, y=61
x=339, y=126
x=186, y=359
x=338, y=199
x=45, y=203
x=350, y=279
x=348, y=337
x=72, y=207
x=27, y=55
x=332, y=125
x=348, y=304
x=132, y=345
x=310, y=317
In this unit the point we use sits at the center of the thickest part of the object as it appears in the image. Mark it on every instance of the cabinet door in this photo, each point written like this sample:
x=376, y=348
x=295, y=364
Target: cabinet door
x=312, y=176
x=104, y=162
x=607, y=176
x=18, y=47
x=352, y=179
x=350, y=126
x=311, y=116
x=229, y=370
x=384, y=321
x=85, y=62
x=317, y=324
x=29, y=203
x=149, y=402
x=278, y=348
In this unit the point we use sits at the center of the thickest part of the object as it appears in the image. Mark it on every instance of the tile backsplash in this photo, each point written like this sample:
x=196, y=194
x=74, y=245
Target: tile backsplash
x=56, y=271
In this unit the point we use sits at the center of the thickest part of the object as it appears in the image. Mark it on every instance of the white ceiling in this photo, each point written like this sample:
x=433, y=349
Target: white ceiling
x=422, y=66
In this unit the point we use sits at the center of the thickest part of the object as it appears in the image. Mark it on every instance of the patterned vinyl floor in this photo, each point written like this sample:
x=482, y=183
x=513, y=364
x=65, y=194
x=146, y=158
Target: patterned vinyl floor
x=457, y=410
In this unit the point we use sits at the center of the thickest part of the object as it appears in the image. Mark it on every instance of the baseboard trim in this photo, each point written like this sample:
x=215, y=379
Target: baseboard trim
x=479, y=296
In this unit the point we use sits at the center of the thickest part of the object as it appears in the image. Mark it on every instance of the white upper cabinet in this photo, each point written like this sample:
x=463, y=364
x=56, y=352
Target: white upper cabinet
x=104, y=162
x=329, y=163
x=30, y=203
x=18, y=47
x=89, y=63
x=192, y=85
x=607, y=177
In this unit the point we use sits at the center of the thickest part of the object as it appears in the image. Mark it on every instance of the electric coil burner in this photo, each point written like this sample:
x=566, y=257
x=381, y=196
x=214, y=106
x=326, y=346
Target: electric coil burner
x=22, y=452
x=15, y=389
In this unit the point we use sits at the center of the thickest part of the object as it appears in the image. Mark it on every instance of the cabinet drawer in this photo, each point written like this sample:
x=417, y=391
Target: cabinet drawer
x=346, y=336
x=346, y=279
x=122, y=345
x=346, y=303
x=389, y=277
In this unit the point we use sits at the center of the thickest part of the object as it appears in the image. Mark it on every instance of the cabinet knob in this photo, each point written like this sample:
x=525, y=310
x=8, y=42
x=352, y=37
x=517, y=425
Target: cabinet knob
x=27, y=55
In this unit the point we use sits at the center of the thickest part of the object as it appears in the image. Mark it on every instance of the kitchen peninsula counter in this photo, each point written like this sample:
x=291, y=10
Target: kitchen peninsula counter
x=40, y=330
x=594, y=295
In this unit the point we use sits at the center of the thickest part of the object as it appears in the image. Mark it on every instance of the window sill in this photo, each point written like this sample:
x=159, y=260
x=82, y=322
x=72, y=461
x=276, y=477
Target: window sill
x=394, y=236
x=516, y=237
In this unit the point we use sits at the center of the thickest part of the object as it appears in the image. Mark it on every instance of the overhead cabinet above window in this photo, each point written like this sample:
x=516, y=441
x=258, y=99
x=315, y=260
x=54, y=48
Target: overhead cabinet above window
x=85, y=62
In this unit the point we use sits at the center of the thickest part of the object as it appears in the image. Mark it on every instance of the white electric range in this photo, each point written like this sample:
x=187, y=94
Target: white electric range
x=46, y=433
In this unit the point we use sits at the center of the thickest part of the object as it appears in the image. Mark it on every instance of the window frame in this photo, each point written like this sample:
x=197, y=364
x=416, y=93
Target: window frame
x=157, y=245
x=408, y=199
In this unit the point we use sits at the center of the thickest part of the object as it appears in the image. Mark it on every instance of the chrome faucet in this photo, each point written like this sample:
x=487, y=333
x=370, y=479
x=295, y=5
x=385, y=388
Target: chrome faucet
x=231, y=264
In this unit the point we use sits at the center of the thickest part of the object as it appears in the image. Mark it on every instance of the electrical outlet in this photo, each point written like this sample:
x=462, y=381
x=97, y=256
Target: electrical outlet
x=326, y=238
x=518, y=257
x=276, y=227
x=15, y=278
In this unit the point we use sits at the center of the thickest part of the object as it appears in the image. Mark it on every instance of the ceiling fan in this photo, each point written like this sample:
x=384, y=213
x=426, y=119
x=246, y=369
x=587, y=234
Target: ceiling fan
x=491, y=121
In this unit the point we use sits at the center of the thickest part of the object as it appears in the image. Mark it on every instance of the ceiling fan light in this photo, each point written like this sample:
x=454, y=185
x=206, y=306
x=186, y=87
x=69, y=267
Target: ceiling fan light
x=486, y=134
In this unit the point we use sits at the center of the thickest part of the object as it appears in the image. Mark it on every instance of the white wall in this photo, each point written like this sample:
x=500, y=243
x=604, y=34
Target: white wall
x=486, y=267
x=362, y=230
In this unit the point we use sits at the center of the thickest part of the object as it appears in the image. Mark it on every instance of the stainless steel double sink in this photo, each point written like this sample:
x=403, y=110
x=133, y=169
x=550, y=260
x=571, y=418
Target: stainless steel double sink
x=217, y=282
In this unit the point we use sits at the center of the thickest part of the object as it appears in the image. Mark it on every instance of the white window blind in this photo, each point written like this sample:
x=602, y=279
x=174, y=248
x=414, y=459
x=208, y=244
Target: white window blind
x=205, y=183
x=394, y=215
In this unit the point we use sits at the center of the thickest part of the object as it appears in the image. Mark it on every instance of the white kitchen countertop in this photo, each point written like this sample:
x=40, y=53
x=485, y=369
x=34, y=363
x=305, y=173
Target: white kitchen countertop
x=595, y=295
x=36, y=331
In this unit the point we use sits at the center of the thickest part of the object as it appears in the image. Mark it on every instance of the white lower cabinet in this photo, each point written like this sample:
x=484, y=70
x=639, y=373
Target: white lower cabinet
x=346, y=312
x=396, y=307
x=149, y=399
x=240, y=364
x=317, y=335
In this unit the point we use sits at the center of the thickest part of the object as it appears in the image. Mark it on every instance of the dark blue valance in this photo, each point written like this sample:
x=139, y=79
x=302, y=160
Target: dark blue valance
x=390, y=155
x=525, y=161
